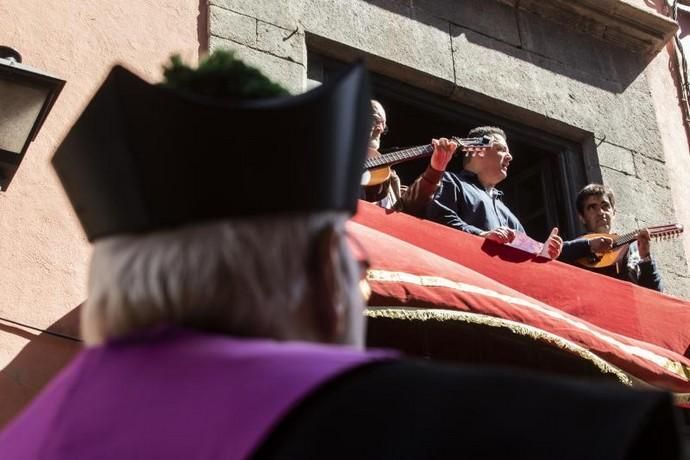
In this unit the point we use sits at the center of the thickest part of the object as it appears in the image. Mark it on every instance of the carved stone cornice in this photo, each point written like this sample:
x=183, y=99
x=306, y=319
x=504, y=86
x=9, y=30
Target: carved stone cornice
x=638, y=29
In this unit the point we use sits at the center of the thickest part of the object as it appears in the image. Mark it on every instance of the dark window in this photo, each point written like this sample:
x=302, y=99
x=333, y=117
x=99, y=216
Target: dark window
x=545, y=173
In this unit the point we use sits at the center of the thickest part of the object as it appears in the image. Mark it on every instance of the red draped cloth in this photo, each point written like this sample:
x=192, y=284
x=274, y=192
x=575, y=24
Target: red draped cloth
x=417, y=263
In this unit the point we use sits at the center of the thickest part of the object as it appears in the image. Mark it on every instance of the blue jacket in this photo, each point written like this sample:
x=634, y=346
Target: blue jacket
x=462, y=202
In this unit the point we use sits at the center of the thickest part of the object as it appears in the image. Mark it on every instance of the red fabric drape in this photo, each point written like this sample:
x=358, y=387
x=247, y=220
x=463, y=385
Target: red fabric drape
x=617, y=306
x=640, y=331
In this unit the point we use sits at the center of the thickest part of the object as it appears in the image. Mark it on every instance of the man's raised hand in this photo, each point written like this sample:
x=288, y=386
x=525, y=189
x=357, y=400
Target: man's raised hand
x=443, y=152
x=553, y=244
x=600, y=244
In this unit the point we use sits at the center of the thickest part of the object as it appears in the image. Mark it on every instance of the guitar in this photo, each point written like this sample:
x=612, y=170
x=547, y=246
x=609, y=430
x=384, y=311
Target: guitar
x=621, y=242
x=377, y=167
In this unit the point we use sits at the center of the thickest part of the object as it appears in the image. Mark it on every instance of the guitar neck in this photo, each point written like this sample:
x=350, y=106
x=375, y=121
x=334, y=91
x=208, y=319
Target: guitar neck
x=625, y=239
x=392, y=158
x=412, y=153
x=659, y=231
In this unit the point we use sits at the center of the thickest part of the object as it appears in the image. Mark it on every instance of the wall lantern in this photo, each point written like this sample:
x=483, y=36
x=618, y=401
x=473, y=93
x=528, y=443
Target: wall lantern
x=26, y=97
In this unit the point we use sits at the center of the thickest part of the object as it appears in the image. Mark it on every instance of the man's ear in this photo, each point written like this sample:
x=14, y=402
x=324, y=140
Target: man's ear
x=328, y=308
x=582, y=219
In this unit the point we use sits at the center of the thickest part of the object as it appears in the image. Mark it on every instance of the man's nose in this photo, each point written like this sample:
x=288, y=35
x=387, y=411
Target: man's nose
x=509, y=157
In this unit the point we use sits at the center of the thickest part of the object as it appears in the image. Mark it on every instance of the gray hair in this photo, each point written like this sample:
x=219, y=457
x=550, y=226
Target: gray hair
x=245, y=277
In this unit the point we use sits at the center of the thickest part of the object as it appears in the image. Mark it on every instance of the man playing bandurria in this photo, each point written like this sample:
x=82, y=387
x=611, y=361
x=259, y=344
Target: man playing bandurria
x=596, y=208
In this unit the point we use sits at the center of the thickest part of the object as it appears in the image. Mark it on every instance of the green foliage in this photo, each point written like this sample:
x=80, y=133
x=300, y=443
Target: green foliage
x=221, y=75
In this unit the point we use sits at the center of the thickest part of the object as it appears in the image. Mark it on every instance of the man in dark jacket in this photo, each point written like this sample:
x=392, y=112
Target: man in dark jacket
x=469, y=200
x=596, y=208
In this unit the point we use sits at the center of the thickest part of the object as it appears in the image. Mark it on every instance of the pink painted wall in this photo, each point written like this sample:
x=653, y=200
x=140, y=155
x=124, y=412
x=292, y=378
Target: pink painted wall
x=43, y=253
x=664, y=86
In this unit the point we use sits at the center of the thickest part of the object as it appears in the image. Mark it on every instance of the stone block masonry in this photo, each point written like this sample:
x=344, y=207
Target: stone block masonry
x=511, y=59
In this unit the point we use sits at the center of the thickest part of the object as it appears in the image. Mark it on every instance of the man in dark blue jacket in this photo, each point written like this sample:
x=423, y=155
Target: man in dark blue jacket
x=596, y=210
x=469, y=200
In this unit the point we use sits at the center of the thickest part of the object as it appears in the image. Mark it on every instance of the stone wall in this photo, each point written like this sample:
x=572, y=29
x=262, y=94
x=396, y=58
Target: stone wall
x=492, y=56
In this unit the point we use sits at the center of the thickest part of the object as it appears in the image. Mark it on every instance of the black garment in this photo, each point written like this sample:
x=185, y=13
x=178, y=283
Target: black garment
x=645, y=274
x=630, y=268
x=463, y=203
x=576, y=249
x=406, y=410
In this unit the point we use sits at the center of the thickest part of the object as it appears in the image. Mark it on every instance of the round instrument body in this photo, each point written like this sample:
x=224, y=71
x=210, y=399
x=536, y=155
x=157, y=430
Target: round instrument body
x=605, y=259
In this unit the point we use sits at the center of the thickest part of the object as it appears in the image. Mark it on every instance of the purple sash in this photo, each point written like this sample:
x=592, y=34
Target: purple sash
x=173, y=394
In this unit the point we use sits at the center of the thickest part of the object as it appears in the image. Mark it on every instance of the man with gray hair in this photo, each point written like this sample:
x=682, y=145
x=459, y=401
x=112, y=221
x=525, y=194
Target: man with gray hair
x=216, y=306
x=391, y=194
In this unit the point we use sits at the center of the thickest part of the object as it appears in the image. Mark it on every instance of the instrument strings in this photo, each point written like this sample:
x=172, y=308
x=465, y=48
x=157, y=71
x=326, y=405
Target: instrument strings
x=656, y=232
x=400, y=155
x=406, y=154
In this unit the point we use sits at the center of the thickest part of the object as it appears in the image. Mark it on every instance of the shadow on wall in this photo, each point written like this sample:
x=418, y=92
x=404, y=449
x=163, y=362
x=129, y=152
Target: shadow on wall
x=494, y=35
x=37, y=363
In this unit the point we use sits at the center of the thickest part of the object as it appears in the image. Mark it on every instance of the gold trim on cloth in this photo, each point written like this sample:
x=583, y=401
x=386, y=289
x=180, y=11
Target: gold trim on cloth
x=435, y=314
x=682, y=398
x=384, y=276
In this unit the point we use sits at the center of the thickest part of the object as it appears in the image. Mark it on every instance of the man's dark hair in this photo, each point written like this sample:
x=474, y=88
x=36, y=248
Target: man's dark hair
x=593, y=190
x=221, y=75
x=482, y=131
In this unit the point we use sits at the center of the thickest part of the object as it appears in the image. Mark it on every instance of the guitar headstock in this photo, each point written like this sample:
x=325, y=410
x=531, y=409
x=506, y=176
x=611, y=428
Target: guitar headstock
x=665, y=232
x=473, y=145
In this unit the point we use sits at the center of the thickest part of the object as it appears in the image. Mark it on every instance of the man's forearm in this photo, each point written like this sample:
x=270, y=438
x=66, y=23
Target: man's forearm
x=418, y=195
x=451, y=219
x=575, y=249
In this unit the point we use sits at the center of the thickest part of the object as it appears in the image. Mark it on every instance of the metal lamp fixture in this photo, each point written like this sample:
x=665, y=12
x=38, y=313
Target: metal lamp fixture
x=26, y=97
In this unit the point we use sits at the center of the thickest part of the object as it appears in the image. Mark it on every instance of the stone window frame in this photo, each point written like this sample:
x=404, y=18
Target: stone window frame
x=576, y=161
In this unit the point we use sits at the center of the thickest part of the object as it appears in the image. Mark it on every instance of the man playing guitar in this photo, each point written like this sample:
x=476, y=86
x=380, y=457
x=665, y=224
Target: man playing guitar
x=390, y=194
x=596, y=209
